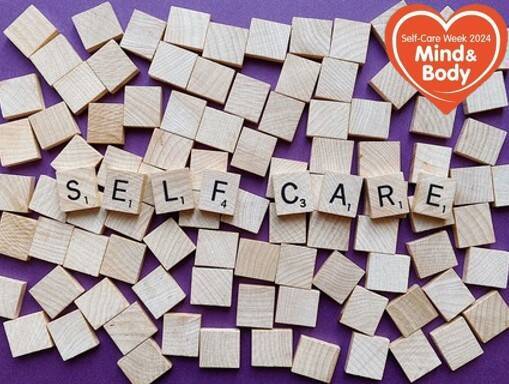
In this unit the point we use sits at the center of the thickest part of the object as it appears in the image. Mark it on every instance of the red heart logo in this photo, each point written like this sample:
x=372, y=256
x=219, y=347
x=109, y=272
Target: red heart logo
x=446, y=60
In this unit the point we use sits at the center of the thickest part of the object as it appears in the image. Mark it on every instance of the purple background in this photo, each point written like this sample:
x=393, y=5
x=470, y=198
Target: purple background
x=99, y=365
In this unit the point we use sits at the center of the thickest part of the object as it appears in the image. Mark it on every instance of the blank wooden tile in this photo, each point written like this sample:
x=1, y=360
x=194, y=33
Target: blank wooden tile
x=91, y=220
x=271, y=347
x=378, y=158
x=367, y=356
x=296, y=266
x=45, y=200
x=350, y=40
x=411, y=311
x=55, y=59
x=123, y=191
x=286, y=229
x=196, y=218
x=130, y=328
x=257, y=260
x=310, y=37
x=387, y=196
x=172, y=65
x=85, y=252
x=490, y=95
x=328, y=231
x=376, y=235
x=434, y=196
x=247, y=97
x=181, y=334
x=331, y=155
x=159, y=292
x=281, y=116
x=97, y=25
x=428, y=120
x=16, y=192
x=13, y=292
x=340, y=194
x=183, y=114
x=422, y=223
x=297, y=306
x=280, y=166
x=488, y=316
x=480, y=142
x=219, y=348
x=51, y=240
x=212, y=287
x=379, y=23
x=101, y=303
x=337, y=80
x=387, y=273
x=172, y=191
x=392, y=87
x=448, y=293
x=431, y=159
x=77, y=189
x=145, y=363
x=370, y=119
x=105, y=123
x=17, y=144
x=169, y=243
x=123, y=259
x=500, y=176
x=268, y=40
x=219, y=130
x=167, y=150
x=328, y=119
x=315, y=358
x=218, y=191
x=216, y=248
x=187, y=28
x=78, y=154
x=28, y=334
x=415, y=355
x=255, y=306
x=253, y=151
x=16, y=234
x=293, y=193
x=202, y=159
x=142, y=106
x=473, y=226
x=473, y=185
x=20, y=96
x=142, y=34
x=249, y=213
x=118, y=159
x=226, y=44
x=486, y=267
x=298, y=77
x=210, y=80
x=30, y=31
x=456, y=343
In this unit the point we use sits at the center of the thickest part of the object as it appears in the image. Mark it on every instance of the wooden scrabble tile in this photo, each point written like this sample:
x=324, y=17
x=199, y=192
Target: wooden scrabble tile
x=428, y=120
x=13, y=292
x=211, y=287
x=85, y=252
x=255, y=306
x=448, y=293
x=387, y=196
x=268, y=40
x=411, y=311
x=247, y=97
x=340, y=194
x=473, y=225
x=363, y=310
x=257, y=260
x=30, y=31
x=216, y=248
x=271, y=347
x=218, y=191
x=415, y=355
x=378, y=158
x=331, y=155
x=55, y=59
x=219, y=130
x=101, y=303
x=350, y=40
x=142, y=106
x=456, y=343
x=78, y=154
x=281, y=116
x=486, y=267
x=183, y=114
x=297, y=306
x=118, y=159
x=172, y=191
x=16, y=234
x=286, y=229
x=97, y=25
x=28, y=334
x=148, y=171
x=202, y=159
x=500, y=176
x=16, y=192
x=253, y=151
x=225, y=44
x=142, y=34
x=210, y=80
x=337, y=80
x=249, y=213
x=281, y=166
x=480, y=142
x=328, y=119
x=169, y=243
x=392, y=87
x=387, y=273
x=130, y=328
x=219, y=348
x=56, y=291
x=123, y=191
x=159, y=292
x=17, y=144
x=422, y=223
x=196, y=218
x=432, y=254
x=488, y=316
x=370, y=119
x=123, y=259
x=187, y=28
x=293, y=193
x=473, y=185
x=51, y=240
x=181, y=334
x=105, y=123
x=315, y=358
x=431, y=159
x=77, y=189
x=376, y=235
x=367, y=356
x=490, y=95
x=145, y=363
x=296, y=266
x=434, y=196
x=310, y=37
x=379, y=23
x=298, y=77
x=92, y=220
x=328, y=231
x=45, y=199
x=172, y=65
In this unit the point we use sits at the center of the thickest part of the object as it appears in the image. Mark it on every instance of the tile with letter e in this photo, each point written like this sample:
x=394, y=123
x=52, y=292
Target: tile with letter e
x=315, y=358
x=268, y=40
x=219, y=348
x=77, y=189
x=28, y=334
x=293, y=193
x=297, y=306
x=172, y=191
x=123, y=191
x=367, y=356
x=218, y=192
x=434, y=196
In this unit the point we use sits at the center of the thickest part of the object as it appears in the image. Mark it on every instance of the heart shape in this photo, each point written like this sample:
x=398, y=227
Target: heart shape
x=446, y=60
